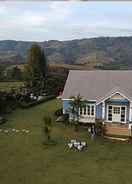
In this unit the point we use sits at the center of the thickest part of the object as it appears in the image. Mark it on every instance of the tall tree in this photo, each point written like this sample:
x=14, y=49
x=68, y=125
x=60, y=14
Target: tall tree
x=76, y=104
x=36, y=67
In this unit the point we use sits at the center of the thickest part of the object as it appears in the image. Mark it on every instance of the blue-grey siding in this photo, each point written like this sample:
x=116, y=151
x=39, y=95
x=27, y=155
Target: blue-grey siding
x=99, y=111
x=66, y=105
x=119, y=102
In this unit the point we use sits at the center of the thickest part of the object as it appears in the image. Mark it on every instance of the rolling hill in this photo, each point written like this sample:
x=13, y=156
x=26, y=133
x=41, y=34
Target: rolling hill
x=100, y=52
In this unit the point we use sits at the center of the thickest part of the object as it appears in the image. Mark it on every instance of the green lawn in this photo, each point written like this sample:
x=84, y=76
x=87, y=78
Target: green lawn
x=24, y=160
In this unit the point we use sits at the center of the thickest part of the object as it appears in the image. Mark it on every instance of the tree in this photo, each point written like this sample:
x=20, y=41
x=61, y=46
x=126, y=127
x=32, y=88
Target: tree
x=76, y=104
x=47, y=127
x=36, y=68
x=14, y=73
x=2, y=71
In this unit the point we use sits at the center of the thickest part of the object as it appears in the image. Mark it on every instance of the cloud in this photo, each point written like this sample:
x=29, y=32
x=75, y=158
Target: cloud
x=64, y=20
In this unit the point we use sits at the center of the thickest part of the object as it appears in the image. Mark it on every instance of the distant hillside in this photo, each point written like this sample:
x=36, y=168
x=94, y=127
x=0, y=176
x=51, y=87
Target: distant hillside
x=97, y=52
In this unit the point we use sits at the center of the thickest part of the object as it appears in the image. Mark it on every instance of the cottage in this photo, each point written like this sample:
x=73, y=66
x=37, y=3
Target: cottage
x=108, y=95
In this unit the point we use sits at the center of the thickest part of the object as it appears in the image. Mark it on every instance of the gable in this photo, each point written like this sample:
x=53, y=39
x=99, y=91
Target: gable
x=117, y=96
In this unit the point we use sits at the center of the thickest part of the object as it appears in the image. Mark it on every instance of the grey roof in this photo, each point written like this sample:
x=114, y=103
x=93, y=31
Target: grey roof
x=95, y=85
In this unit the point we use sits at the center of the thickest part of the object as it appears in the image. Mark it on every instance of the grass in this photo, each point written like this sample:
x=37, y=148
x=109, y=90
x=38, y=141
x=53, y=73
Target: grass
x=25, y=160
x=7, y=86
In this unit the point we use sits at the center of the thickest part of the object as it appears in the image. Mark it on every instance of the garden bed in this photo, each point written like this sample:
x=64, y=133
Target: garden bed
x=34, y=103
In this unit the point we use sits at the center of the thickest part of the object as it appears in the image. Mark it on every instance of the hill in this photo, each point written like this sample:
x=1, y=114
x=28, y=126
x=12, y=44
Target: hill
x=102, y=52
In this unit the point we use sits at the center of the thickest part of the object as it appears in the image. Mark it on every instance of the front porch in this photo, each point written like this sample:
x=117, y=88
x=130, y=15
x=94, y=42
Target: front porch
x=117, y=129
x=117, y=108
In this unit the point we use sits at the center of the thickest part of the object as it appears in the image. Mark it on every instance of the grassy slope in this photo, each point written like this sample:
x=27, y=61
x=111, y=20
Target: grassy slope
x=24, y=160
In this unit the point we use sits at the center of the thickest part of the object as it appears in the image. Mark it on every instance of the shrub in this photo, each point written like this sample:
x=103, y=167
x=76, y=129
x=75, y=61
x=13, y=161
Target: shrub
x=66, y=117
x=99, y=127
x=34, y=103
x=2, y=120
x=58, y=112
x=47, y=128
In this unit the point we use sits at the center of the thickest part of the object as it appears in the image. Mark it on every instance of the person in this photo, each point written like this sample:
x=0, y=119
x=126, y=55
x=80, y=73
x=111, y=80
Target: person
x=92, y=132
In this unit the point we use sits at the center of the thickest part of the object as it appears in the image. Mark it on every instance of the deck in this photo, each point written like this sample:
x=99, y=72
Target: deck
x=117, y=129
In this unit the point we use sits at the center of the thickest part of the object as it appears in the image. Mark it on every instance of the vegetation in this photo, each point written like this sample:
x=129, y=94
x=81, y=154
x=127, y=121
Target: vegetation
x=7, y=102
x=36, y=69
x=13, y=73
x=47, y=127
x=103, y=52
x=8, y=86
x=27, y=102
x=26, y=160
x=75, y=105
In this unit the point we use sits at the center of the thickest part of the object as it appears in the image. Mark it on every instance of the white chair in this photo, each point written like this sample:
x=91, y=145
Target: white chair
x=73, y=141
x=80, y=147
x=83, y=143
x=70, y=145
x=76, y=144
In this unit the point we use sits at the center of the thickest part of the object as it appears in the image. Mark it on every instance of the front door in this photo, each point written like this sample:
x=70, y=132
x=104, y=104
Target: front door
x=116, y=116
x=116, y=113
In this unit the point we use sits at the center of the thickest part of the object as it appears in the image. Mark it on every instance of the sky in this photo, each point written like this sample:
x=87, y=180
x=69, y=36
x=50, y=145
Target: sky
x=50, y=20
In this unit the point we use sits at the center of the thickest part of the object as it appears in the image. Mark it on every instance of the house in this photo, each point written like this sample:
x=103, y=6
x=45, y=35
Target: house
x=108, y=96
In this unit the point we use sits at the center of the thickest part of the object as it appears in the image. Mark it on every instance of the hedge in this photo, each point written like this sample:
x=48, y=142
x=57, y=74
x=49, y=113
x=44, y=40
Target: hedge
x=34, y=103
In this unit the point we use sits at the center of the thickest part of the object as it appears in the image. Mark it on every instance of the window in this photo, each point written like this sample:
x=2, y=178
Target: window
x=116, y=110
x=80, y=111
x=85, y=110
x=88, y=110
x=92, y=110
x=123, y=114
x=110, y=113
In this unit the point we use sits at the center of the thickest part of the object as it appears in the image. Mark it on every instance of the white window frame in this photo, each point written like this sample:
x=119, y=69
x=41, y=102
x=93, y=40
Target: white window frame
x=86, y=115
x=120, y=112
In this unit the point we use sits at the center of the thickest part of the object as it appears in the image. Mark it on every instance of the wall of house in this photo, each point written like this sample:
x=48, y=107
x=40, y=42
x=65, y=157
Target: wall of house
x=117, y=102
x=66, y=106
x=99, y=111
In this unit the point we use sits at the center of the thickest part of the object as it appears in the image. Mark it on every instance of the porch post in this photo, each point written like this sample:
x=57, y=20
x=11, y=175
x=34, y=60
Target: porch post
x=103, y=110
x=130, y=111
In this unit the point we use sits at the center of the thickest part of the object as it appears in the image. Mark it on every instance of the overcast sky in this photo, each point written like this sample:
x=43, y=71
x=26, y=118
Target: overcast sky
x=39, y=21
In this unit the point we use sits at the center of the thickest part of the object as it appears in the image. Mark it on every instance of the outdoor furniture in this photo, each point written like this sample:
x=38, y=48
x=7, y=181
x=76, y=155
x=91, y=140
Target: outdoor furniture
x=79, y=145
x=70, y=145
x=76, y=144
x=83, y=143
x=73, y=141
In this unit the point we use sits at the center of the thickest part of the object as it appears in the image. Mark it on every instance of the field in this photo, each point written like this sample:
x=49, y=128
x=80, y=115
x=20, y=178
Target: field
x=25, y=160
x=7, y=86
